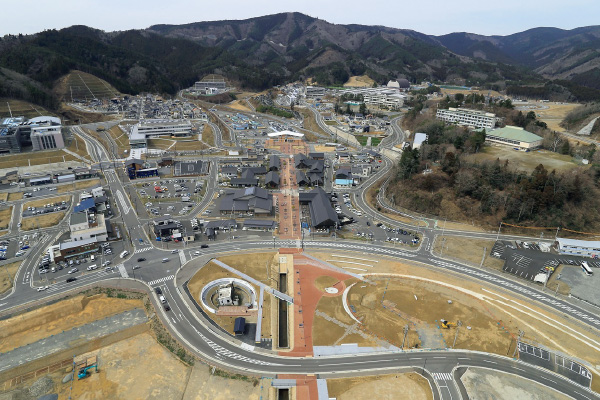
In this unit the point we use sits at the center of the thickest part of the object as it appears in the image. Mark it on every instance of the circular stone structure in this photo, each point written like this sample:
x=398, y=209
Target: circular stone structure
x=247, y=288
x=331, y=290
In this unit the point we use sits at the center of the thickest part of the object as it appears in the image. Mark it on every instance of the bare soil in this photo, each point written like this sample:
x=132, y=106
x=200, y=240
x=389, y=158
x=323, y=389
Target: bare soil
x=525, y=161
x=359, y=81
x=6, y=271
x=5, y=217
x=410, y=385
x=67, y=314
x=469, y=250
x=42, y=221
x=78, y=185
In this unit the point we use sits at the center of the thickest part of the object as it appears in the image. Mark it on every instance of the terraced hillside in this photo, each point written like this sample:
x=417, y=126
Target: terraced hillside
x=78, y=85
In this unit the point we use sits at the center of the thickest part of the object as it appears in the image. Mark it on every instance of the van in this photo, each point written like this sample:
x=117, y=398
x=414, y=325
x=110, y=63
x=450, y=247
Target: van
x=92, y=258
x=162, y=299
x=165, y=260
x=124, y=254
x=92, y=267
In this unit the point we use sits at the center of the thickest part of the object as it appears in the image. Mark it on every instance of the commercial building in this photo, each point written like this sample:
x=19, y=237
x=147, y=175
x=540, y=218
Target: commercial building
x=322, y=214
x=464, y=116
x=264, y=225
x=45, y=133
x=68, y=250
x=380, y=97
x=87, y=224
x=211, y=83
x=314, y=92
x=252, y=200
x=10, y=136
x=514, y=136
x=190, y=168
x=584, y=248
x=151, y=128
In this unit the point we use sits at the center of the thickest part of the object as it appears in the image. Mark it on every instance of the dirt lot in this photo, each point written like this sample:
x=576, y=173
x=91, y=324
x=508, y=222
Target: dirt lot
x=50, y=320
x=525, y=161
x=491, y=312
x=15, y=196
x=139, y=368
x=46, y=200
x=469, y=250
x=412, y=386
x=359, y=81
x=309, y=122
x=78, y=185
x=553, y=114
x=6, y=270
x=253, y=264
x=239, y=105
x=5, y=217
x=43, y=221
x=208, y=136
x=489, y=384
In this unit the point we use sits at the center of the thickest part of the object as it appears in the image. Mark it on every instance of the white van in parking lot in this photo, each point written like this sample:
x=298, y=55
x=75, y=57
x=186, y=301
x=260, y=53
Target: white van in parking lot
x=124, y=254
x=92, y=267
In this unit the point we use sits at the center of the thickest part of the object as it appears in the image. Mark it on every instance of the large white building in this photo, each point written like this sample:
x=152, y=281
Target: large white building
x=149, y=128
x=87, y=225
x=313, y=92
x=379, y=97
x=584, y=248
x=46, y=133
x=464, y=116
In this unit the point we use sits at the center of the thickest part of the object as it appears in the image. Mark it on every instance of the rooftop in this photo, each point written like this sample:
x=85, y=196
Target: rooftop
x=514, y=133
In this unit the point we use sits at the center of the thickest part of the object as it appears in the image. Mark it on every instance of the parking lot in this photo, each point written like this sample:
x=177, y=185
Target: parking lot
x=527, y=260
x=175, y=197
x=34, y=192
x=19, y=247
x=106, y=258
x=46, y=209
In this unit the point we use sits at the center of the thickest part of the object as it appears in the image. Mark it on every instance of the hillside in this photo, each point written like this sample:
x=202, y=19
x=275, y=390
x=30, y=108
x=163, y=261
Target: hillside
x=260, y=52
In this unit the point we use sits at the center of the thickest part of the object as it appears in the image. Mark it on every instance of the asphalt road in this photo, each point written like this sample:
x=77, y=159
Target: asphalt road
x=188, y=326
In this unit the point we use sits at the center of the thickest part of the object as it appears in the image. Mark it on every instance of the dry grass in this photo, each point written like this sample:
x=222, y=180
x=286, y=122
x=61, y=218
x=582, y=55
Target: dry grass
x=458, y=226
x=35, y=158
x=47, y=200
x=360, y=81
x=309, y=121
x=161, y=144
x=555, y=114
x=120, y=138
x=239, y=105
x=4, y=196
x=78, y=146
x=68, y=314
x=15, y=196
x=371, y=200
x=42, y=221
x=78, y=185
x=469, y=250
x=6, y=270
x=5, y=217
x=411, y=385
x=22, y=108
x=208, y=136
x=525, y=161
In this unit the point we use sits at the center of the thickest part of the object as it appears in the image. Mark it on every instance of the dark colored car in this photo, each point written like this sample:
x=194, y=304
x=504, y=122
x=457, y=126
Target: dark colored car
x=157, y=290
x=72, y=279
x=204, y=246
x=167, y=308
x=141, y=259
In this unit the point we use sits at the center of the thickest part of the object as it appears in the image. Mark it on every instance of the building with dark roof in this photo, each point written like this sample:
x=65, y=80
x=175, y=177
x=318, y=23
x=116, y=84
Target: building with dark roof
x=301, y=178
x=229, y=171
x=316, y=156
x=250, y=200
x=274, y=163
x=272, y=180
x=260, y=225
x=243, y=182
x=322, y=214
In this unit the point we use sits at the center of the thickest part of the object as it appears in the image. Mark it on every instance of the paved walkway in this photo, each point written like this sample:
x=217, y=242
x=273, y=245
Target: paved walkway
x=289, y=204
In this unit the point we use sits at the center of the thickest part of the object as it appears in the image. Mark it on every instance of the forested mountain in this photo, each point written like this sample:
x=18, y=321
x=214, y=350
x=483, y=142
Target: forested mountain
x=258, y=53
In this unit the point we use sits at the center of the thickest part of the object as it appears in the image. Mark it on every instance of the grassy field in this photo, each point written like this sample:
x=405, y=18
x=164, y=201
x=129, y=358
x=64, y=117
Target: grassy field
x=78, y=85
x=3, y=196
x=309, y=121
x=553, y=114
x=15, y=196
x=42, y=221
x=5, y=217
x=6, y=270
x=120, y=138
x=412, y=386
x=525, y=161
x=78, y=185
x=78, y=146
x=208, y=136
x=42, y=202
x=362, y=139
x=470, y=250
x=35, y=158
x=21, y=108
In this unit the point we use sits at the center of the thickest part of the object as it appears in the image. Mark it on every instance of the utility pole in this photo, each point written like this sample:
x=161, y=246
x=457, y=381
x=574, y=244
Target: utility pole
x=521, y=333
x=498, y=235
x=405, y=334
x=458, y=325
x=483, y=257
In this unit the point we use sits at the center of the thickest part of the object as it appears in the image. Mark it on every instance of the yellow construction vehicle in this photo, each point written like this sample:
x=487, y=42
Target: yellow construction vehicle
x=447, y=324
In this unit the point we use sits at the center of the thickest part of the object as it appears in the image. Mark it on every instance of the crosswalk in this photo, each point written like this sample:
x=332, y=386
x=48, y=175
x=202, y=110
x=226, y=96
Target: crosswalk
x=123, y=271
x=161, y=280
x=182, y=257
x=442, y=376
x=136, y=251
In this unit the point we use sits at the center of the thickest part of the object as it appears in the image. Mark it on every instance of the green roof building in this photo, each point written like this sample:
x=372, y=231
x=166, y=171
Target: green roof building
x=514, y=136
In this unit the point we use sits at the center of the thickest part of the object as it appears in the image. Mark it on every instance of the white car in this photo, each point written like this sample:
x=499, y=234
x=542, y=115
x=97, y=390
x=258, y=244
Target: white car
x=42, y=288
x=196, y=253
